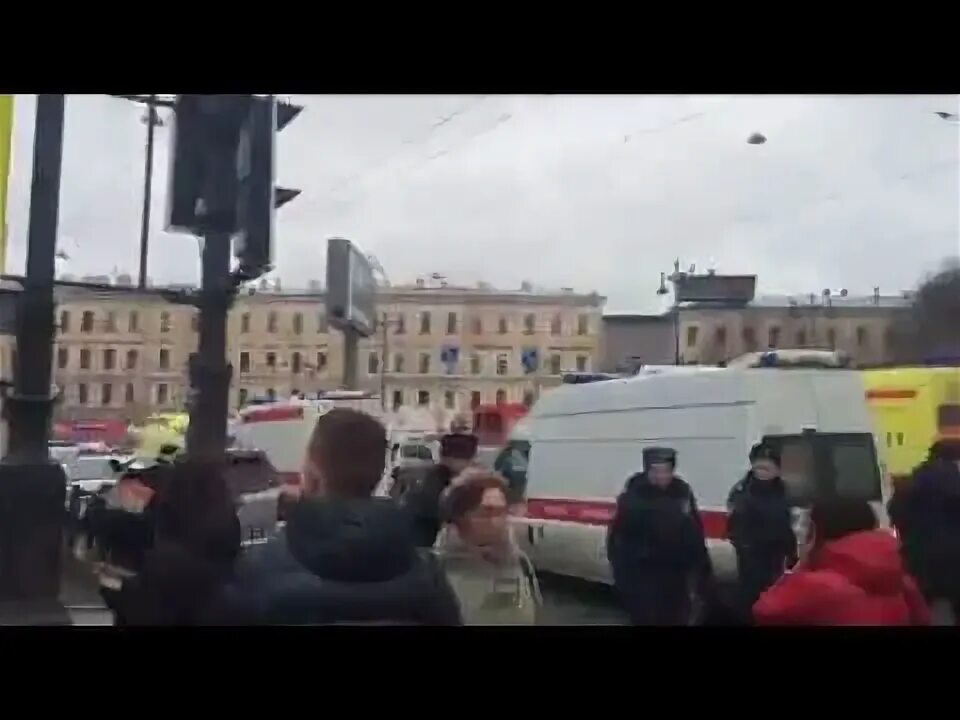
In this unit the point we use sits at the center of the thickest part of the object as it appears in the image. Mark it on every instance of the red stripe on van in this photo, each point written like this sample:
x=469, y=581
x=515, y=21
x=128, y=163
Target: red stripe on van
x=274, y=414
x=891, y=394
x=600, y=512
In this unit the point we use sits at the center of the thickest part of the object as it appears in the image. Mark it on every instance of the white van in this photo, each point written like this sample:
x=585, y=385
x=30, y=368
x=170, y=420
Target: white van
x=573, y=454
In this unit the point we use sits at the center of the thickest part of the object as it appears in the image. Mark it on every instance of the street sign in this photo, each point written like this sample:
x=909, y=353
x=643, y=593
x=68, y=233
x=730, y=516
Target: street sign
x=351, y=288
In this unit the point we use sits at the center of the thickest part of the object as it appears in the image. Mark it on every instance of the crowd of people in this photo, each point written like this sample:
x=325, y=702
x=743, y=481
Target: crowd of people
x=443, y=552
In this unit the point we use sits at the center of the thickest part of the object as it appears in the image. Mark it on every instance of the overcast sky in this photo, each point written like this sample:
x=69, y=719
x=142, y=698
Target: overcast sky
x=593, y=192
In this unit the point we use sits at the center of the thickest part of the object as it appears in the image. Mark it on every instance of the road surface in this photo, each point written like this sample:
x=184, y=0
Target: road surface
x=575, y=602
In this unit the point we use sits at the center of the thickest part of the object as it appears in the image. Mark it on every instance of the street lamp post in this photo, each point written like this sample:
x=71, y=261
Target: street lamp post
x=152, y=119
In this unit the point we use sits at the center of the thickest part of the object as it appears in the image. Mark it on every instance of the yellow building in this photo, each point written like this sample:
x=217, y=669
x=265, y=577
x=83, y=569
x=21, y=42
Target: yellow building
x=125, y=353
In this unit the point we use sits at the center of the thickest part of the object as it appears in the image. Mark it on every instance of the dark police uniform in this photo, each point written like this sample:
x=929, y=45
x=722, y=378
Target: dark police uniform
x=656, y=547
x=761, y=530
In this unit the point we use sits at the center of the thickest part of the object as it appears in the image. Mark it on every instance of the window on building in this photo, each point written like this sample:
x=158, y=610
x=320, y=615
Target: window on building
x=110, y=323
x=63, y=357
x=475, y=399
x=195, y=322
x=399, y=363
x=692, y=332
x=271, y=394
x=450, y=399
x=244, y=362
x=82, y=394
x=373, y=363
x=801, y=338
x=271, y=322
x=720, y=337
x=322, y=326
x=397, y=399
x=749, y=339
x=133, y=323
x=241, y=397
x=106, y=394
x=773, y=337
x=164, y=359
x=164, y=322
x=501, y=397
x=109, y=359
x=529, y=324
x=832, y=338
x=503, y=327
x=556, y=364
x=424, y=363
x=503, y=363
x=129, y=394
x=452, y=328
x=84, y=358
x=163, y=394
x=295, y=393
x=423, y=398
x=245, y=323
x=296, y=363
x=528, y=398
x=321, y=361
x=64, y=321
x=400, y=327
x=556, y=325
x=271, y=359
x=425, y=322
x=477, y=325
x=582, y=363
x=86, y=321
x=863, y=337
x=583, y=324
x=475, y=364
x=133, y=356
x=298, y=323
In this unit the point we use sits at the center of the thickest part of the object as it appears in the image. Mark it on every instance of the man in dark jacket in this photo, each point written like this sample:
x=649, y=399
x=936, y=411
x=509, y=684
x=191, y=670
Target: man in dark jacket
x=457, y=452
x=656, y=545
x=926, y=513
x=760, y=526
x=344, y=557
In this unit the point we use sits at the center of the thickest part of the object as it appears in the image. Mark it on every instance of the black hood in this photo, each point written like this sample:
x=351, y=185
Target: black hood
x=365, y=540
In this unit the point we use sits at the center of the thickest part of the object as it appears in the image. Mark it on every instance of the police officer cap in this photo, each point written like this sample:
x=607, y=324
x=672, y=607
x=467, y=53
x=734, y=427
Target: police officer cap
x=659, y=455
x=761, y=451
x=458, y=445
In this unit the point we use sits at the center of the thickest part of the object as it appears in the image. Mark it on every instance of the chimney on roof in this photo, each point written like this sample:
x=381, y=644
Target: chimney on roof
x=314, y=285
x=843, y=292
x=526, y=286
x=421, y=283
x=876, y=295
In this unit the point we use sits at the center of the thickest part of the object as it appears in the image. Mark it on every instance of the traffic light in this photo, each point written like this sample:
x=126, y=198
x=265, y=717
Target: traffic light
x=257, y=196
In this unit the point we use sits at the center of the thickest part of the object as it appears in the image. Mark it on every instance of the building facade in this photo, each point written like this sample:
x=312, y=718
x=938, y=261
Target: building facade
x=126, y=353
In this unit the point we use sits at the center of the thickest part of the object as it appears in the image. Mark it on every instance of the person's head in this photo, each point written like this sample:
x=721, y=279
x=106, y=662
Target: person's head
x=764, y=462
x=476, y=504
x=458, y=450
x=346, y=455
x=835, y=518
x=659, y=464
x=194, y=508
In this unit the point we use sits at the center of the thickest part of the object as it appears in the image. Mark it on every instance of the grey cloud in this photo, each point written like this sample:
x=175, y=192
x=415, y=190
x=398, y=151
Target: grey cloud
x=850, y=191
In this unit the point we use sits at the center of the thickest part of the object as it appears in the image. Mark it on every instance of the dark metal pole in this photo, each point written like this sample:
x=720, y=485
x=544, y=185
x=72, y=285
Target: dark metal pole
x=152, y=122
x=350, y=342
x=385, y=357
x=210, y=373
x=30, y=406
x=676, y=334
x=32, y=489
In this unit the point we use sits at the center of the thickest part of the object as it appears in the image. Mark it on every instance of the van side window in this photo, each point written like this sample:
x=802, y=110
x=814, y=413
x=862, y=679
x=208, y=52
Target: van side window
x=512, y=464
x=855, y=469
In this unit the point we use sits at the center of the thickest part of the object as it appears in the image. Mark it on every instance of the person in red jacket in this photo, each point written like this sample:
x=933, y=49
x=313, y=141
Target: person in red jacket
x=852, y=574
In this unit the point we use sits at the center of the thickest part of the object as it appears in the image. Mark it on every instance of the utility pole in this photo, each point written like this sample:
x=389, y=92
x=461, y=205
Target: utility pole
x=153, y=121
x=384, y=359
x=351, y=342
x=32, y=488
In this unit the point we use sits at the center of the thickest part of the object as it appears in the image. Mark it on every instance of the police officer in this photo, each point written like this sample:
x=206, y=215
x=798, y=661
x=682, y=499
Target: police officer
x=760, y=525
x=656, y=545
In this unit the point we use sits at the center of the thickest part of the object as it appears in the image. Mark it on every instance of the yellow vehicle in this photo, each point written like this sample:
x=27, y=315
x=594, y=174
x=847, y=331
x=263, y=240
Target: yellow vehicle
x=159, y=430
x=912, y=407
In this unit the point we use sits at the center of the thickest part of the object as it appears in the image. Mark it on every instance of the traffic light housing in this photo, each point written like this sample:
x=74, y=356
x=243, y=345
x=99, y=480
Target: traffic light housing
x=257, y=195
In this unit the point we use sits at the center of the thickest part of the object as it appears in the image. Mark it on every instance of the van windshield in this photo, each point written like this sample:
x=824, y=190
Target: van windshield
x=822, y=464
